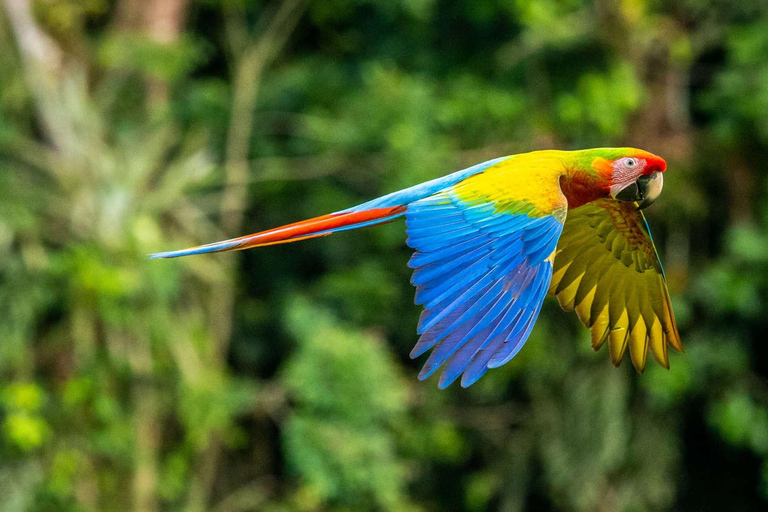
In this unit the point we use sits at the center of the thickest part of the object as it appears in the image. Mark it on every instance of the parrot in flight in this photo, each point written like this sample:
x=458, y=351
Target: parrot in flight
x=493, y=240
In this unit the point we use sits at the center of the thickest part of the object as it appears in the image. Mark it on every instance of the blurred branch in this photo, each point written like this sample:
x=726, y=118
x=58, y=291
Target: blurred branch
x=42, y=62
x=164, y=19
x=164, y=22
x=35, y=46
x=148, y=436
x=247, y=79
x=250, y=63
x=741, y=187
x=128, y=15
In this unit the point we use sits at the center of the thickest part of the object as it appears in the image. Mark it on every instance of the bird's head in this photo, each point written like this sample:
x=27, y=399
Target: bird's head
x=635, y=176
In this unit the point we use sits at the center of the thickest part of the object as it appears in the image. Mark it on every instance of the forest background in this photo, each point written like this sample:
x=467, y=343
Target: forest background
x=278, y=379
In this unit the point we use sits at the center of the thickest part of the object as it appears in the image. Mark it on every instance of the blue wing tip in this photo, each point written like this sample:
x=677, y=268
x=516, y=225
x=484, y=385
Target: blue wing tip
x=446, y=379
x=468, y=380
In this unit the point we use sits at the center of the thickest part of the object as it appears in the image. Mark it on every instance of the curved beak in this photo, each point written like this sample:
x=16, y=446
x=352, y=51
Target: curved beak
x=644, y=191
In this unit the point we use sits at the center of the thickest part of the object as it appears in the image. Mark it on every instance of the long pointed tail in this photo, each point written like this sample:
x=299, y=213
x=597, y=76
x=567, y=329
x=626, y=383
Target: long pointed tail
x=379, y=210
x=310, y=228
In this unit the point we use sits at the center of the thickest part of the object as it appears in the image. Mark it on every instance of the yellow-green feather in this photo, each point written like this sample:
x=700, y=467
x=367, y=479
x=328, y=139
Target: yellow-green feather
x=607, y=270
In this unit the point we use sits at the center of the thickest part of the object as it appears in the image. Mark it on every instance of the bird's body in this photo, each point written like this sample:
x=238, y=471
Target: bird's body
x=492, y=240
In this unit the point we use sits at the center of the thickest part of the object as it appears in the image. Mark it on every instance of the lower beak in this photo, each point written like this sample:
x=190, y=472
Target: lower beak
x=644, y=191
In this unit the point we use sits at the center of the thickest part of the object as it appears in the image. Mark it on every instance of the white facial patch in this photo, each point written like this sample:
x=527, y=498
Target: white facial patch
x=627, y=170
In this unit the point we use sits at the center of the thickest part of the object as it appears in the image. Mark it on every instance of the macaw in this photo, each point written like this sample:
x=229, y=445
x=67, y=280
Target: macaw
x=493, y=240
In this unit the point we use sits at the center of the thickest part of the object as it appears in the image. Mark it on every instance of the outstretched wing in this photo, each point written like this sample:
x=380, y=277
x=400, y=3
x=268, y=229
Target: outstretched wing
x=607, y=269
x=483, y=265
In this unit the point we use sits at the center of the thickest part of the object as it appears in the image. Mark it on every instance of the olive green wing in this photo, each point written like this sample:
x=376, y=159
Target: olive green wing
x=607, y=269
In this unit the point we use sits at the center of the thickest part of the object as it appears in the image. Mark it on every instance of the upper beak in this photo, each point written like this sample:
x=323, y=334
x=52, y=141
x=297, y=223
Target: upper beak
x=644, y=191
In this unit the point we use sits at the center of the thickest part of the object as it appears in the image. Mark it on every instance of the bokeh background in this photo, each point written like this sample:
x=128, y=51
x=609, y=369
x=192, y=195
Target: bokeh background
x=278, y=379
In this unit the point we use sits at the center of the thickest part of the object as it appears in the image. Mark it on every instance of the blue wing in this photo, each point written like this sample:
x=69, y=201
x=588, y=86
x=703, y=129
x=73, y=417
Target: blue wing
x=481, y=276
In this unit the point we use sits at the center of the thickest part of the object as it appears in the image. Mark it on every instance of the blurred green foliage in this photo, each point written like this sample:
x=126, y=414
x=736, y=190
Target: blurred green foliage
x=278, y=379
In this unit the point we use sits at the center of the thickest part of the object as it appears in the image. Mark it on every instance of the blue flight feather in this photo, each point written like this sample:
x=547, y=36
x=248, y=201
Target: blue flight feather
x=481, y=276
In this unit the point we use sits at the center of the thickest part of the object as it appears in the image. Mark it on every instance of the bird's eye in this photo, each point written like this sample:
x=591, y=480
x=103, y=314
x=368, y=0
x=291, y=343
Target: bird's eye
x=630, y=162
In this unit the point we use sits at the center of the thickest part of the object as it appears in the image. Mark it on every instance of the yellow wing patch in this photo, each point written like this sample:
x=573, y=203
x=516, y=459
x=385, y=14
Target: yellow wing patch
x=607, y=270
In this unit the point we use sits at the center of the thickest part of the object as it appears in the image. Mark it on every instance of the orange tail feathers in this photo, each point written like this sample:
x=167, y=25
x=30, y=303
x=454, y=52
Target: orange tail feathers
x=310, y=228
